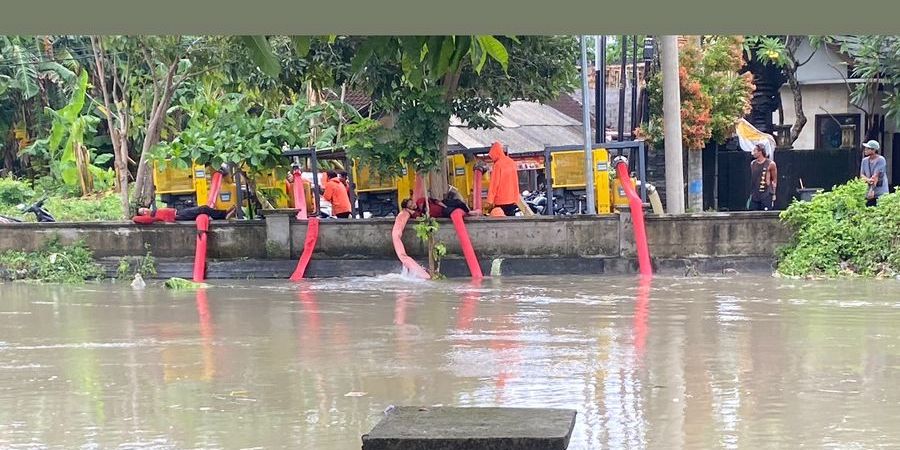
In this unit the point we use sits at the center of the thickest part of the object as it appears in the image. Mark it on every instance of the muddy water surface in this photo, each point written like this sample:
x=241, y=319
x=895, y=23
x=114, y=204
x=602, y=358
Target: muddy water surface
x=740, y=362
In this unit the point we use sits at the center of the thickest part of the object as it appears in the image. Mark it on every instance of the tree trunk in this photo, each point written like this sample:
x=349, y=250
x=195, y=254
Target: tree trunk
x=85, y=178
x=120, y=162
x=439, y=179
x=144, y=178
x=432, y=266
x=430, y=243
x=792, y=43
x=117, y=123
x=800, y=118
x=143, y=183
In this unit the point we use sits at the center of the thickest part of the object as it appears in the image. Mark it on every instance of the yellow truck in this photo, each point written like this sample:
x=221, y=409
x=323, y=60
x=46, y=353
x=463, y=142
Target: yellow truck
x=566, y=171
x=185, y=187
x=381, y=196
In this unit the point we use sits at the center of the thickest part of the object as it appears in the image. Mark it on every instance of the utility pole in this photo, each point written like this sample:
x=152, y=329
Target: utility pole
x=600, y=87
x=623, y=44
x=586, y=123
x=600, y=129
x=672, y=124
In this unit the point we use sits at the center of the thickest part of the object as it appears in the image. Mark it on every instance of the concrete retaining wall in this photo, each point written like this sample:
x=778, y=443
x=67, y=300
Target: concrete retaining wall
x=529, y=237
x=714, y=235
x=175, y=240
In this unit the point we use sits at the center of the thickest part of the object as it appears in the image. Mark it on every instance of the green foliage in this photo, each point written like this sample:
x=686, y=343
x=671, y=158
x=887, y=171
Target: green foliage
x=836, y=234
x=779, y=50
x=768, y=49
x=146, y=267
x=71, y=128
x=877, y=58
x=614, y=49
x=420, y=82
x=97, y=207
x=426, y=227
x=123, y=270
x=179, y=284
x=415, y=138
x=714, y=95
x=728, y=91
x=14, y=192
x=233, y=129
x=55, y=263
x=65, y=208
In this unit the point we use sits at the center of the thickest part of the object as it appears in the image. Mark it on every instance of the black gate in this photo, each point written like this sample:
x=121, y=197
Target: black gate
x=817, y=168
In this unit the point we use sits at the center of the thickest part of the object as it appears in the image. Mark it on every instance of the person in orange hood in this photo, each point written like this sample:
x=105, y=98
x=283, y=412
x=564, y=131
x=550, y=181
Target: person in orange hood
x=503, y=191
x=336, y=193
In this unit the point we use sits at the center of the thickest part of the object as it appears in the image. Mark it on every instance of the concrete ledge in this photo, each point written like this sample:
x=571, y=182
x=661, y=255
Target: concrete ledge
x=526, y=245
x=414, y=428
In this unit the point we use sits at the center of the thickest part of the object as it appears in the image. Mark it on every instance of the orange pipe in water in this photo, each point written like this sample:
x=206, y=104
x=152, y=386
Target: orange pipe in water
x=396, y=233
x=200, y=252
x=637, y=215
x=468, y=251
x=312, y=235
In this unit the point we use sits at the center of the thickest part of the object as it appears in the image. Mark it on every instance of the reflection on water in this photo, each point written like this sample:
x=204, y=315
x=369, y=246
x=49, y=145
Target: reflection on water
x=743, y=362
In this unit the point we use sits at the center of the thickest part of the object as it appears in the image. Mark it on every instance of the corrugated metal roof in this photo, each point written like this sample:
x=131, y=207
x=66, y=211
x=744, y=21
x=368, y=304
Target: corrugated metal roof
x=527, y=127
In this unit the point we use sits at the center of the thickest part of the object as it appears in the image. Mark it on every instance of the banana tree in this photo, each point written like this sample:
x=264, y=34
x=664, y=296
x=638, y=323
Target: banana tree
x=71, y=160
x=29, y=81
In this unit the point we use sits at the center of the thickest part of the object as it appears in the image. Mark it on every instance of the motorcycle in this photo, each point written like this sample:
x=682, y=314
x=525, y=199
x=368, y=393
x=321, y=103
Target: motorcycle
x=41, y=214
x=537, y=201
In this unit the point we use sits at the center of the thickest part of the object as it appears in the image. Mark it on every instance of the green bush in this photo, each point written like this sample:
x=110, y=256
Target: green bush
x=143, y=265
x=836, y=234
x=55, y=263
x=14, y=192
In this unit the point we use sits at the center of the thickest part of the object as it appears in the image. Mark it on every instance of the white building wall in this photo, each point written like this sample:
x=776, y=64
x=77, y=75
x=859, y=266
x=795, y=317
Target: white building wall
x=817, y=99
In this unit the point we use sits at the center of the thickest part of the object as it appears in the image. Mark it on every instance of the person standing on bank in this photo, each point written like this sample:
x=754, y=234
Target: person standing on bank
x=873, y=169
x=336, y=193
x=503, y=192
x=763, y=180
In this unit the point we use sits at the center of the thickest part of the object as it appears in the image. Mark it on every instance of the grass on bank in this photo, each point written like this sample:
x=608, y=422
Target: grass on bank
x=63, y=206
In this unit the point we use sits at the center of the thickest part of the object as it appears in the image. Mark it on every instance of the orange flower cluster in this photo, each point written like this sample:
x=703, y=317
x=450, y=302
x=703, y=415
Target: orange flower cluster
x=696, y=106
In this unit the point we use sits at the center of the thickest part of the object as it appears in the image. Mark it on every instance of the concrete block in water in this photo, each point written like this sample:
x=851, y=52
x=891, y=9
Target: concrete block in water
x=444, y=428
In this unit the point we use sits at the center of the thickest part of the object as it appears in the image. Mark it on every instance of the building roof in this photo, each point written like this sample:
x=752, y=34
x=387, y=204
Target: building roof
x=358, y=100
x=524, y=127
x=570, y=106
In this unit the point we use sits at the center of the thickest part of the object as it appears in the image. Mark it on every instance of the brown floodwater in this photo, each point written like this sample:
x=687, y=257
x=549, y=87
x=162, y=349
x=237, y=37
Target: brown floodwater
x=739, y=362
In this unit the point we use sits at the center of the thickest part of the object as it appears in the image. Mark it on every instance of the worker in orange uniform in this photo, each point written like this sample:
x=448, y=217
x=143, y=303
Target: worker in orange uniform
x=336, y=193
x=503, y=191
